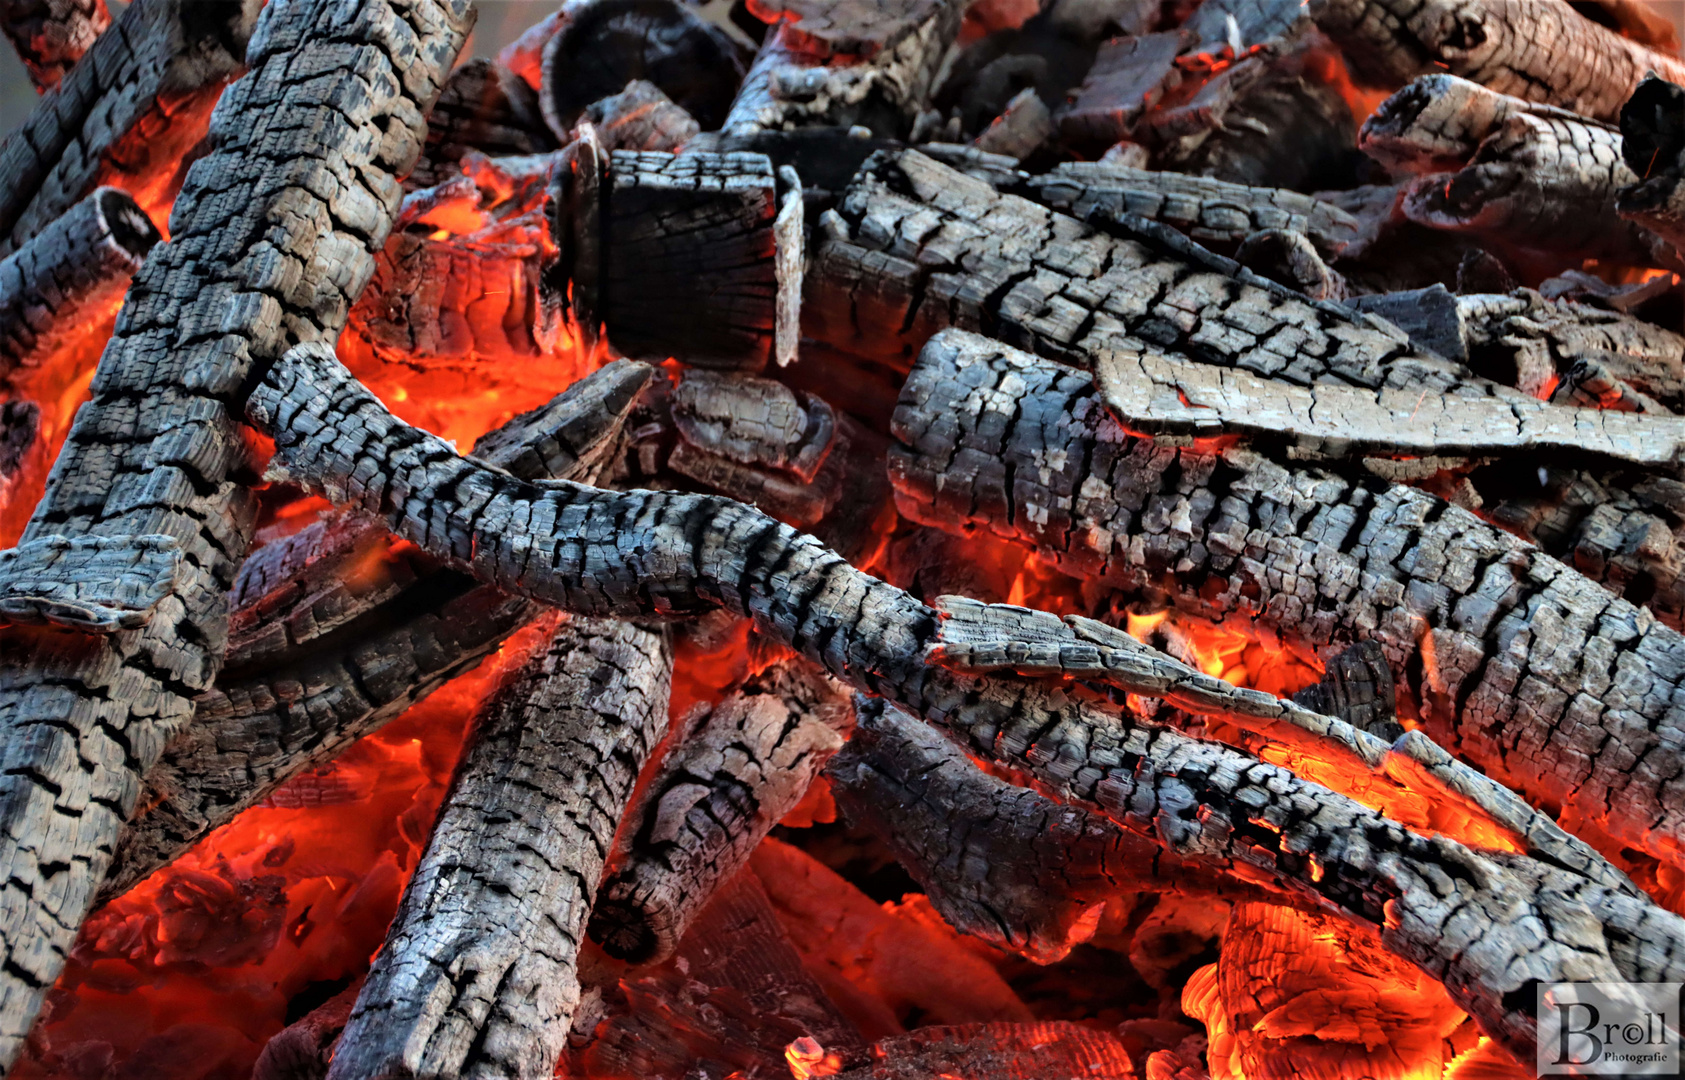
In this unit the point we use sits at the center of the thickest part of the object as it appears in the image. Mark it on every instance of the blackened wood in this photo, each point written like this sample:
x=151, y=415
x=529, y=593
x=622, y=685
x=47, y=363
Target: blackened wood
x=1431, y=317
x=737, y=768
x=20, y=422
x=51, y=35
x=1129, y=76
x=1438, y=122
x=125, y=117
x=605, y=44
x=1653, y=142
x=1591, y=382
x=97, y=584
x=479, y=974
x=275, y=232
x=338, y=629
x=302, y=1050
x=1289, y=257
x=486, y=107
x=754, y=421
x=997, y=1051
x=641, y=117
x=1020, y=130
x=1358, y=688
x=1540, y=50
x=69, y=276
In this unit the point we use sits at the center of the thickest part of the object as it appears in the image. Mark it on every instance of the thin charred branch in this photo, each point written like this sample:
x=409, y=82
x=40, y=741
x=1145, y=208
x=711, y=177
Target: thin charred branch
x=127, y=116
x=275, y=232
x=1484, y=924
x=338, y=629
x=1486, y=633
x=738, y=768
x=51, y=35
x=1537, y=50
x=70, y=275
x=479, y=973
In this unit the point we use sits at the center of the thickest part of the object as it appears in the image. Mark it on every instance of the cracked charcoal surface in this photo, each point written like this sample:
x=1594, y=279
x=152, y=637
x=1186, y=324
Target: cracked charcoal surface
x=51, y=35
x=274, y=233
x=478, y=976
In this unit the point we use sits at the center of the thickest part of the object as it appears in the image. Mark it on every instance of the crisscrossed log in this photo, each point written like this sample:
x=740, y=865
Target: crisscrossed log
x=273, y=235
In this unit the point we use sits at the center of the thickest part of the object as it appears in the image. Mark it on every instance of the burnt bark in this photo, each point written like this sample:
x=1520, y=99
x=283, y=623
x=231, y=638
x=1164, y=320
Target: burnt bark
x=51, y=35
x=127, y=116
x=302, y=1051
x=274, y=233
x=479, y=973
x=1358, y=688
x=336, y=630
x=739, y=766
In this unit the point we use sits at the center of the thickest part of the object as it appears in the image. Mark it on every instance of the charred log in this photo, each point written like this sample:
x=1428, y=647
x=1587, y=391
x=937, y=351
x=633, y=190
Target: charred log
x=478, y=976
x=1437, y=123
x=51, y=35
x=157, y=452
x=1358, y=688
x=641, y=117
x=303, y=1050
x=486, y=107
x=1653, y=141
x=1129, y=76
x=127, y=116
x=737, y=769
x=1289, y=257
x=1020, y=130
x=19, y=423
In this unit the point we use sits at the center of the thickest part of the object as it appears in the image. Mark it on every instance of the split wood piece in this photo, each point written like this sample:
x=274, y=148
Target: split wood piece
x=1021, y=130
x=1129, y=76
x=690, y=258
x=51, y=35
x=69, y=277
x=735, y=771
x=1653, y=141
x=1000, y=862
x=641, y=117
x=486, y=107
x=1539, y=50
x=1156, y=393
x=754, y=421
x=869, y=64
x=1212, y=212
x=127, y=117
x=302, y=1051
x=1543, y=186
x=643, y=554
x=275, y=232
x=1437, y=123
x=337, y=629
x=605, y=44
x=1358, y=688
x=1486, y=633
x=478, y=976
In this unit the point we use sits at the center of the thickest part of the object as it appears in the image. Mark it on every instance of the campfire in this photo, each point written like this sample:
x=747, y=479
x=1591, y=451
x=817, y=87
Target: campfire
x=868, y=538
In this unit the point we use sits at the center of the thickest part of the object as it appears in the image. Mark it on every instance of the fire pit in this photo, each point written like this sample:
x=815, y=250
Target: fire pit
x=869, y=538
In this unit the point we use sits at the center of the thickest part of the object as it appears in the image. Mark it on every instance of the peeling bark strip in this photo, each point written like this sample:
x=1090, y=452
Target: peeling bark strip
x=334, y=631
x=274, y=233
x=1538, y=50
x=478, y=976
x=127, y=116
x=1487, y=925
x=739, y=767
x=51, y=35
x=1000, y=862
x=1515, y=662
x=69, y=275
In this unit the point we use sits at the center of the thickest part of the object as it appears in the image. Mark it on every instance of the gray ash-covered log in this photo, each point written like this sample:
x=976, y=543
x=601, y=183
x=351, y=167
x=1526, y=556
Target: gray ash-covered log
x=479, y=974
x=51, y=35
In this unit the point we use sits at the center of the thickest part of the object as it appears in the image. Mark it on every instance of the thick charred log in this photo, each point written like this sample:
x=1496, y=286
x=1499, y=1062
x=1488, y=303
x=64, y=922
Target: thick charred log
x=338, y=629
x=486, y=107
x=127, y=116
x=1437, y=123
x=1538, y=50
x=479, y=973
x=51, y=35
x=258, y=260
x=738, y=767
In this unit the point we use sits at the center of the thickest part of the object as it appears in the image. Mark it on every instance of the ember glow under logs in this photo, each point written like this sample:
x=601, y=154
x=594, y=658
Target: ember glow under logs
x=865, y=538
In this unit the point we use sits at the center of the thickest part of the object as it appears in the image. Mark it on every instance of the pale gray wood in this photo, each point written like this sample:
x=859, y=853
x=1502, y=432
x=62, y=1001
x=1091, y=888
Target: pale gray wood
x=1436, y=123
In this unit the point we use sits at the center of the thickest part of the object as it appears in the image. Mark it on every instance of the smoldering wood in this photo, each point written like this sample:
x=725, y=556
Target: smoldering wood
x=1357, y=688
x=1653, y=143
x=1129, y=76
x=737, y=768
x=641, y=117
x=1213, y=212
x=479, y=973
x=1000, y=862
x=69, y=276
x=1240, y=24
x=1020, y=130
x=20, y=422
x=603, y=45
x=258, y=260
x=1436, y=123
x=1289, y=257
x=754, y=421
x=1431, y=317
x=1538, y=50
x=302, y=1050
x=335, y=630
x=1590, y=382
x=1322, y=559
x=571, y=547
x=125, y=117
x=51, y=35
x=999, y=1049
x=486, y=107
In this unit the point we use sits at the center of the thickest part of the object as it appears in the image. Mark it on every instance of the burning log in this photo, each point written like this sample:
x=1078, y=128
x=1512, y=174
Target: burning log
x=605, y=44
x=126, y=117
x=157, y=452
x=486, y=107
x=1486, y=632
x=1538, y=50
x=1437, y=123
x=1484, y=923
x=737, y=769
x=303, y=1050
x=51, y=35
x=641, y=117
x=335, y=631
x=478, y=976
x=854, y=64
x=1653, y=142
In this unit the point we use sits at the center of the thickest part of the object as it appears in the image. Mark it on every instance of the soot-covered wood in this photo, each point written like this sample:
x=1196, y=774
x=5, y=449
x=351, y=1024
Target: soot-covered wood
x=51, y=35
